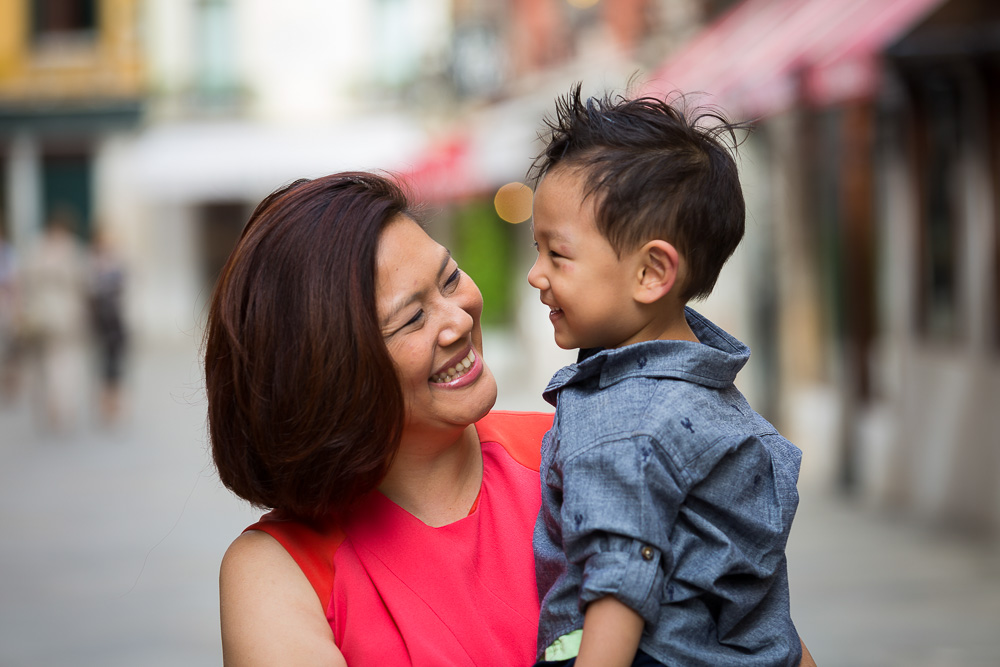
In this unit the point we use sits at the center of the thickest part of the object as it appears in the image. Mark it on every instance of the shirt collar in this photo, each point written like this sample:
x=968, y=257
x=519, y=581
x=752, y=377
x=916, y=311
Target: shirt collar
x=713, y=362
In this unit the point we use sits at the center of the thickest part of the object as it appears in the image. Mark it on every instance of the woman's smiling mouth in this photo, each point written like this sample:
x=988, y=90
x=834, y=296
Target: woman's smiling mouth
x=459, y=370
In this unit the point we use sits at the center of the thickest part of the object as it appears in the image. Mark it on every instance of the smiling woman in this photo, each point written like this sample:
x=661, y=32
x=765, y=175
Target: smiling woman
x=348, y=394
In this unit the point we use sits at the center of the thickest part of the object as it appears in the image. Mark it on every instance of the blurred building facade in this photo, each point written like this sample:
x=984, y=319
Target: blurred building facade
x=878, y=151
x=939, y=345
x=869, y=280
x=246, y=96
x=70, y=80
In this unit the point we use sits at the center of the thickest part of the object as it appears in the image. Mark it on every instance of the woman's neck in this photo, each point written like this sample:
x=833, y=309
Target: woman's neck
x=435, y=481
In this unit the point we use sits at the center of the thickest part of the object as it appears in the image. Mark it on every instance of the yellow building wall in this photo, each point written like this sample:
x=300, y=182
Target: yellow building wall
x=106, y=67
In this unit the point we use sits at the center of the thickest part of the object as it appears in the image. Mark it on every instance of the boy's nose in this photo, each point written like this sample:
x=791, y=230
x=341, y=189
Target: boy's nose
x=536, y=278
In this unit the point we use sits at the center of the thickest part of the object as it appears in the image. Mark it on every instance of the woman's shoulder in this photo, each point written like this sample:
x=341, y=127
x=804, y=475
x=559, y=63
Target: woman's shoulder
x=268, y=604
x=519, y=433
x=311, y=545
x=255, y=552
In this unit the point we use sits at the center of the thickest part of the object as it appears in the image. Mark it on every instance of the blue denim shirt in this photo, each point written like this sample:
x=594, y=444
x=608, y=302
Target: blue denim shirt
x=663, y=488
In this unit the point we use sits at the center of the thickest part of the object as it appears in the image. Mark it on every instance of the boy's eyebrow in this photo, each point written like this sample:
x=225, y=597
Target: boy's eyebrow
x=405, y=301
x=553, y=235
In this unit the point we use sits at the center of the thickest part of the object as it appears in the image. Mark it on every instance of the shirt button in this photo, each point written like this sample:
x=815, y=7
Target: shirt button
x=647, y=553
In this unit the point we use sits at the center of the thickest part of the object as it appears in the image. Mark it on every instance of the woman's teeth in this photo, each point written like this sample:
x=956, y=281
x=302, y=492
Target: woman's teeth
x=458, y=370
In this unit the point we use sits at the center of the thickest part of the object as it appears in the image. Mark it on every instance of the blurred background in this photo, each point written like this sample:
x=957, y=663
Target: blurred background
x=137, y=135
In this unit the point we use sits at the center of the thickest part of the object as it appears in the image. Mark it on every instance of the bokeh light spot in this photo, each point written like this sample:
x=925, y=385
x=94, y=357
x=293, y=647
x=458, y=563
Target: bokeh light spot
x=513, y=202
x=582, y=4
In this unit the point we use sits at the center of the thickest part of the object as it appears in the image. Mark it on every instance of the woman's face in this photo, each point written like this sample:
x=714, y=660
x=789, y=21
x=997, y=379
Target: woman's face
x=429, y=312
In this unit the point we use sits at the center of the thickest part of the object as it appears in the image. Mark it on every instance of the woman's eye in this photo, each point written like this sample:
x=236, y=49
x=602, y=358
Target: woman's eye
x=413, y=320
x=453, y=279
x=553, y=254
x=417, y=317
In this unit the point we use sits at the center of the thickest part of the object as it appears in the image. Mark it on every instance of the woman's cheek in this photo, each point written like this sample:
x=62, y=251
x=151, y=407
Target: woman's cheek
x=474, y=301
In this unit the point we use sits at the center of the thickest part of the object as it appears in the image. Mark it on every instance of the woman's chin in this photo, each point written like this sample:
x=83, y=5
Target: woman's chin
x=495, y=392
x=482, y=400
x=455, y=406
x=486, y=393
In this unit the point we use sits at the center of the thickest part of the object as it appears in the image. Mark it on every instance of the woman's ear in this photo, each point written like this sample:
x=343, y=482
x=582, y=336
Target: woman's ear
x=658, y=271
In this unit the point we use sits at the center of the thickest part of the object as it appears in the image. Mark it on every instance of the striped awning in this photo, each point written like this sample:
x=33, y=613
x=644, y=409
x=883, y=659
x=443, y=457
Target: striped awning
x=765, y=56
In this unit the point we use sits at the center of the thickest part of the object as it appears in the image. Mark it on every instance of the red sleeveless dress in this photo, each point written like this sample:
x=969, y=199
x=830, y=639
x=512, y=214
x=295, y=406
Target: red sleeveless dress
x=399, y=592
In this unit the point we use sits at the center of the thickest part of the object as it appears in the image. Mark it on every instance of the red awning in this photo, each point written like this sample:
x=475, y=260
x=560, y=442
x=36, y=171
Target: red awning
x=764, y=56
x=445, y=172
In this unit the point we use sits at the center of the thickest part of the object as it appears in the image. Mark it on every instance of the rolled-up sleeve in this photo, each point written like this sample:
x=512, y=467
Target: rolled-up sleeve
x=620, y=501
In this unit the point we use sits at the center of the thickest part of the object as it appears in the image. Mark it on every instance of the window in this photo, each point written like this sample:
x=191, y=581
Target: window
x=993, y=134
x=5, y=225
x=219, y=226
x=66, y=187
x=62, y=20
x=215, y=48
x=938, y=128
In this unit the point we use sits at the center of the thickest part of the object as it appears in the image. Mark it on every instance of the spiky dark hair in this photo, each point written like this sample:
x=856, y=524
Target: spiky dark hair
x=655, y=172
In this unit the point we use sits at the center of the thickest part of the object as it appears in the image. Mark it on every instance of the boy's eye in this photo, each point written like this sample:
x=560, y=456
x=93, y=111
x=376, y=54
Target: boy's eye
x=554, y=254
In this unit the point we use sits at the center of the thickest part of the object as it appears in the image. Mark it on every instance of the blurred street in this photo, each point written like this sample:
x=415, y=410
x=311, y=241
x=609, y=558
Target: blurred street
x=113, y=539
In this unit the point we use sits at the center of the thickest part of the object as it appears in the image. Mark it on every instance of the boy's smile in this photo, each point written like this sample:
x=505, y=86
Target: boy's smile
x=586, y=286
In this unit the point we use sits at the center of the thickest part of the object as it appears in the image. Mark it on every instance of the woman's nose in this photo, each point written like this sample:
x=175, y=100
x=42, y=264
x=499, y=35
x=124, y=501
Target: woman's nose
x=458, y=324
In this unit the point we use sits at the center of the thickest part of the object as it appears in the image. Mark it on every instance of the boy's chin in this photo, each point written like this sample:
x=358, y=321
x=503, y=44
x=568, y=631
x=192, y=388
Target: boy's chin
x=565, y=342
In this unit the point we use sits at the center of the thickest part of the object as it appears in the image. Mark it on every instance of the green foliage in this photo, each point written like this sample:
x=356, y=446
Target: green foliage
x=484, y=250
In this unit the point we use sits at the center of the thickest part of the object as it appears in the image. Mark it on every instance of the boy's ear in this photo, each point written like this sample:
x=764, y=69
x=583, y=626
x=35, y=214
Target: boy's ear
x=658, y=271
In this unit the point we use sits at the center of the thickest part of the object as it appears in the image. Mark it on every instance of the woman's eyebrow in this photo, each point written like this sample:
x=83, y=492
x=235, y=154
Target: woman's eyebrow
x=444, y=261
x=405, y=301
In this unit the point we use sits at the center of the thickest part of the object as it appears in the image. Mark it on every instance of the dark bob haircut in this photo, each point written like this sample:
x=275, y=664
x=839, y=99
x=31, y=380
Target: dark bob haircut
x=655, y=173
x=305, y=410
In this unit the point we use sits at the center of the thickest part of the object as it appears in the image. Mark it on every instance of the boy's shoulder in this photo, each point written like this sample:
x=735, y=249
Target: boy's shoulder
x=678, y=393
x=713, y=361
x=629, y=403
x=606, y=376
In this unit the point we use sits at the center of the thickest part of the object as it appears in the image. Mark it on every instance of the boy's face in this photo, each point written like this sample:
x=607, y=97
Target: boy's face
x=585, y=284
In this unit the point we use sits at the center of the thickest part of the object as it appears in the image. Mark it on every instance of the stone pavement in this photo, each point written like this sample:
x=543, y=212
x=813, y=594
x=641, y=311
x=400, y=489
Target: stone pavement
x=112, y=539
x=872, y=590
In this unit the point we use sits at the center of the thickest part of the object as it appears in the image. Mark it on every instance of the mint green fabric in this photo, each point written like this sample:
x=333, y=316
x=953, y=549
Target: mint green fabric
x=565, y=647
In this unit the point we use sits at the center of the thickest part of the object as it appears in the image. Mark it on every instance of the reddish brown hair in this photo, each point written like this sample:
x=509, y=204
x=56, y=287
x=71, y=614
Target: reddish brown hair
x=304, y=408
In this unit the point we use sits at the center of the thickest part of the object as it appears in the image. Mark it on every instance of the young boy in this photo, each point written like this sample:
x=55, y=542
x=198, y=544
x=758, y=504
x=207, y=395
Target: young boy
x=666, y=500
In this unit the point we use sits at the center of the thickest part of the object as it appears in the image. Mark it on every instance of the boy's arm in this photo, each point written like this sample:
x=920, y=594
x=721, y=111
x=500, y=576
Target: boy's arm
x=807, y=659
x=611, y=632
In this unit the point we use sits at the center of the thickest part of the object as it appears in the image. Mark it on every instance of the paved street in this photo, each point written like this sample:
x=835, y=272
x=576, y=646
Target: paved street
x=112, y=541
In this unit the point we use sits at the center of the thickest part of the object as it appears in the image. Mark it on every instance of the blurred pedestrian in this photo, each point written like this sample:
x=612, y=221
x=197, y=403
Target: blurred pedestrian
x=107, y=286
x=54, y=319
